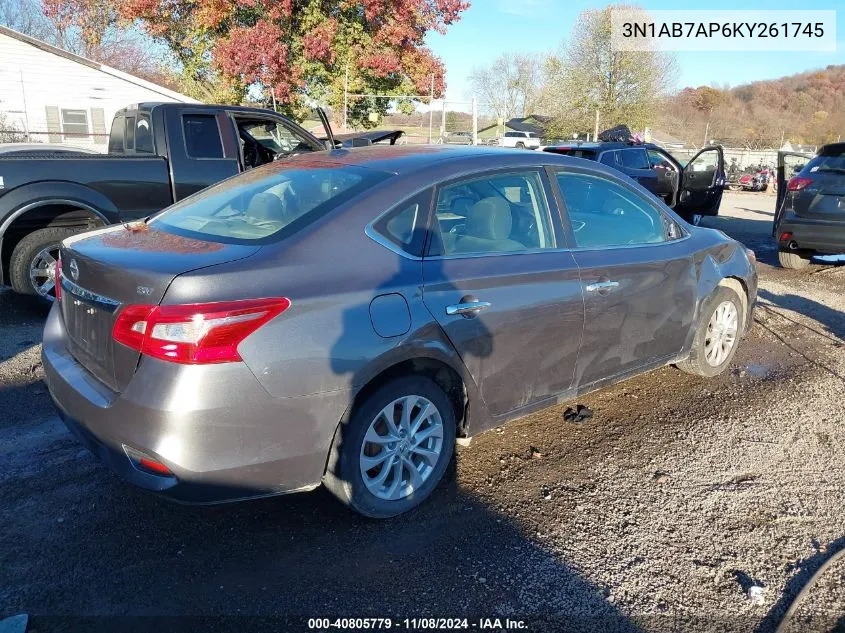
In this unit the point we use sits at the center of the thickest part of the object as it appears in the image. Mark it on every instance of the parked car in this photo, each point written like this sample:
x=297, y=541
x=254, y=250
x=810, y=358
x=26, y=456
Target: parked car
x=342, y=318
x=693, y=190
x=810, y=208
x=158, y=154
x=40, y=149
x=519, y=140
x=458, y=138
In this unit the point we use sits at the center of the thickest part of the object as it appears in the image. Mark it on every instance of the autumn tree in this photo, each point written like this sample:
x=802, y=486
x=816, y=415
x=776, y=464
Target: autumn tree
x=302, y=50
x=624, y=86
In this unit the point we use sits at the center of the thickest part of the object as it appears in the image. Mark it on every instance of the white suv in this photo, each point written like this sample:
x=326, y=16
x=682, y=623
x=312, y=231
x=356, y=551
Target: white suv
x=521, y=140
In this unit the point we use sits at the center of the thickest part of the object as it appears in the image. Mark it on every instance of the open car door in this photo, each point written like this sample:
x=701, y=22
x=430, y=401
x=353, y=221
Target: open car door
x=324, y=119
x=702, y=183
x=789, y=164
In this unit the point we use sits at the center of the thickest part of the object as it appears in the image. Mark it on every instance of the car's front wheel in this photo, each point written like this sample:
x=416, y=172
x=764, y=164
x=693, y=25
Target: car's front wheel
x=795, y=260
x=717, y=334
x=395, y=448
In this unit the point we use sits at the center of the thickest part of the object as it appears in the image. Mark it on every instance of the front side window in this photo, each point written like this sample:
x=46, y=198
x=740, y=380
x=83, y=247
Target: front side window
x=266, y=205
x=498, y=213
x=202, y=136
x=75, y=122
x=603, y=213
x=635, y=159
x=274, y=136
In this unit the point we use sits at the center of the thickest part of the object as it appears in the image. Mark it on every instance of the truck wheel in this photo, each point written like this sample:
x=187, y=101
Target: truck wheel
x=520, y=146
x=32, y=269
x=794, y=260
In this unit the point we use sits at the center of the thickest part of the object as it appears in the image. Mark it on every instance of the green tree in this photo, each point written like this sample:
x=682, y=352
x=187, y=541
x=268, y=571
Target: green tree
x=624, y=86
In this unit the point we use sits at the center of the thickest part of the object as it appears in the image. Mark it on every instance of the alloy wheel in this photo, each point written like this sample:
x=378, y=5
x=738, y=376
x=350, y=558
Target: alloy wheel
x=721, y=333
x=42, y=272
x=401, y=447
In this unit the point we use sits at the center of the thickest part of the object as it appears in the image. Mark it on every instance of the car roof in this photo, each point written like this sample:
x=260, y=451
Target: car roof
x=452, y=159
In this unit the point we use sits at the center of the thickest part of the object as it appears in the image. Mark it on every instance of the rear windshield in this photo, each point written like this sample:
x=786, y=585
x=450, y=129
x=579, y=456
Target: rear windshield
x=267, y=204
x=826, y=163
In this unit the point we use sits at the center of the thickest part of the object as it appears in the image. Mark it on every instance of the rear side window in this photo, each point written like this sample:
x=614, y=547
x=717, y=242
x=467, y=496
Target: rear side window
x=129, y=141
x=266, y=205
x=143, y=136
x=202, y=136
x=405, y=226
x=116, y=136
x=609, y=158
x=635, y=159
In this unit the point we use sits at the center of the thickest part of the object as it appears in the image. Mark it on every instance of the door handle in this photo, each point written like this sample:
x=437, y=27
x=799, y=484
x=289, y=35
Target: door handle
x=468, y=307
x=601, y=285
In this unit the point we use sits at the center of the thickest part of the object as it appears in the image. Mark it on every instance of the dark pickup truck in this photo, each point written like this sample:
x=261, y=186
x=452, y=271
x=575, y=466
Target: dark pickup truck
x=158, y=154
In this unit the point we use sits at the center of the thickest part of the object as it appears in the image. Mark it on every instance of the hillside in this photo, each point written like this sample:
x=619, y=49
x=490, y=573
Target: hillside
x=805, y=108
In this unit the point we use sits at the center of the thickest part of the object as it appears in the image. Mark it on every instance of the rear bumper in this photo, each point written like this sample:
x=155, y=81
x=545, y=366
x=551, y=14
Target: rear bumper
x=824, y=236
x=220, y=433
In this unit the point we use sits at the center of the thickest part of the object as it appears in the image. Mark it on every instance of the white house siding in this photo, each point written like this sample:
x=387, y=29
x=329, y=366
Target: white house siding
x=36, y=85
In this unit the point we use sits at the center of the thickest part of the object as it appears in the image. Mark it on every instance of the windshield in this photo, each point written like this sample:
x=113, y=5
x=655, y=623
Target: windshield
x=267, y=204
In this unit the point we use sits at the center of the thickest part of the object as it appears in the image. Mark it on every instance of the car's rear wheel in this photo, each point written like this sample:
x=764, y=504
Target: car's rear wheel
x=795, y=260
x=32, y=269
x=717, y=334
x=393, y=451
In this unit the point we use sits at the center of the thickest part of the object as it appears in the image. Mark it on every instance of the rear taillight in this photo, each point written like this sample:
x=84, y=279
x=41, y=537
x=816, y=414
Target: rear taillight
x=57, y=278
x=798, y=183
x=196, y=333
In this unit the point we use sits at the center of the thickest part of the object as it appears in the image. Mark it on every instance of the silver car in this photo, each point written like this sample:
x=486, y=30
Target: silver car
x=340, y=318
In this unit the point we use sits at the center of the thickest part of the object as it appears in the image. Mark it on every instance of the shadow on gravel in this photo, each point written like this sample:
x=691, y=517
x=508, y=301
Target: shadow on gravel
x=832, y=320
x=124, y=552
x=16, y=309
x=806, y=568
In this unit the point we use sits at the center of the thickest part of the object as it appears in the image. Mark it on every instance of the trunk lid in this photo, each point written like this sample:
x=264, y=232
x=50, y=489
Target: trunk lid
x=127, y=264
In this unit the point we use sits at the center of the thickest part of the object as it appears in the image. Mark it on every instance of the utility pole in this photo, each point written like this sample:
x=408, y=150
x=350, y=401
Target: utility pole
x=431, y=109
x=474, y=121
x=443, y=118
x=345, y=95
x=596, y=129
x=706, y=134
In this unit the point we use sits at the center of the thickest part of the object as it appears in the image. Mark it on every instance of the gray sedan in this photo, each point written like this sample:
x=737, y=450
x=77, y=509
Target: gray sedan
x=341, y=318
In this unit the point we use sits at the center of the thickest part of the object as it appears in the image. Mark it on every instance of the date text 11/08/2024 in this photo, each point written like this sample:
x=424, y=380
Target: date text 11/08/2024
x=417, y=624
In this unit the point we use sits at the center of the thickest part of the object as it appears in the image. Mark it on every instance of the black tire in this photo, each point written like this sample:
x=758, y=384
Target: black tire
x=343, y=475
x=794, y=260
x=697, y=363
x=520, y=146
x=25, y=253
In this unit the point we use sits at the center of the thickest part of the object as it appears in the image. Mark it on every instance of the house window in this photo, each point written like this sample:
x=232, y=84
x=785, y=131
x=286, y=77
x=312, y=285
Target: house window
x=75, y=123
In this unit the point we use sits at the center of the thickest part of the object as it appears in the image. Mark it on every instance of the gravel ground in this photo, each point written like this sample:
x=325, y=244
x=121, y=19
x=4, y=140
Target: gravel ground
x=665, y=512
